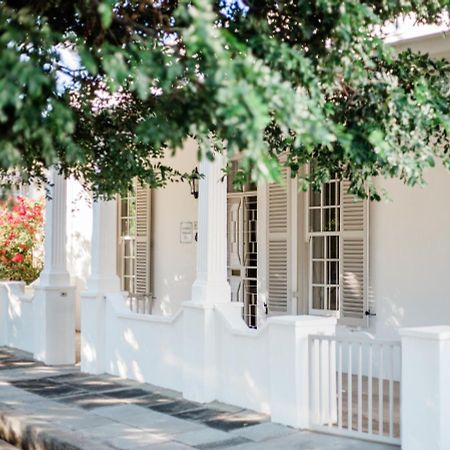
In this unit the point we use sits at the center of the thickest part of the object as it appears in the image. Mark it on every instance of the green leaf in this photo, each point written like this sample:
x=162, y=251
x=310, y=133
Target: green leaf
x=105, y=9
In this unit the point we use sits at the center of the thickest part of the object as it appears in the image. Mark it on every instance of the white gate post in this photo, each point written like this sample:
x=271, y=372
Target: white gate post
x=289, y=364
x=210, y=287
x=102, y=280
x=425, y=388
x=54, y=303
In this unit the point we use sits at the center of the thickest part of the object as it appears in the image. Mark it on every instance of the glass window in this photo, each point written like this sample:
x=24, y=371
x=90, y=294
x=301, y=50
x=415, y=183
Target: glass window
x=127, y=242
x=324, y=231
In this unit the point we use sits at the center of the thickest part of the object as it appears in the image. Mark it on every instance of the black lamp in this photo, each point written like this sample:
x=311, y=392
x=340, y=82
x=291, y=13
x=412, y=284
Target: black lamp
x=193, y=182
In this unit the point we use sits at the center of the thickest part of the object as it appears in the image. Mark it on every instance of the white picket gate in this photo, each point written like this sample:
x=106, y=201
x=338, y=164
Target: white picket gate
x=355, y=387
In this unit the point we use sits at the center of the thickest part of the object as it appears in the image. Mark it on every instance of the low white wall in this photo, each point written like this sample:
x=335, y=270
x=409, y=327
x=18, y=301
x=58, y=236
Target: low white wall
x=265, y=370
x=17, y=320
x=143, y=347
x=243, y=362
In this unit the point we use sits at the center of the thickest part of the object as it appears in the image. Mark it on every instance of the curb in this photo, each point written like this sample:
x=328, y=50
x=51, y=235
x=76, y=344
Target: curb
x=28, y=435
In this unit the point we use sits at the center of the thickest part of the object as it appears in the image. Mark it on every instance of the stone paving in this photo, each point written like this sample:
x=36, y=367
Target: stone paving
x=45, y=407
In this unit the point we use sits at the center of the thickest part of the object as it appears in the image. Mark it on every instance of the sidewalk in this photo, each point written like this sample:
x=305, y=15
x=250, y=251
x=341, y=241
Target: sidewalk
x=60, y=408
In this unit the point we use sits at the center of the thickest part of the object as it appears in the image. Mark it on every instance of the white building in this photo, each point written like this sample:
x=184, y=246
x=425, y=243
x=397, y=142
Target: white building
x=267, y=298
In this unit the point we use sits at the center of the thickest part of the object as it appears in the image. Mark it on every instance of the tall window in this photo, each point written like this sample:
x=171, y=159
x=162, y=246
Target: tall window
x=127, y=242
x=324, y=212
x=135, y=241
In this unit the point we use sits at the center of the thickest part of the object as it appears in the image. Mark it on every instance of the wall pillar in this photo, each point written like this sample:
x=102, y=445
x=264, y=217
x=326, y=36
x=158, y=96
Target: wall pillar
x=210, y=287
x=102, y=280
x=54, y=302
x=425, y=388
x=290, y=366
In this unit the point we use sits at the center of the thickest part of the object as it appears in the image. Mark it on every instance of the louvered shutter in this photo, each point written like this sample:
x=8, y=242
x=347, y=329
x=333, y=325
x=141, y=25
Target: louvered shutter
x=143, y=241
x=278, y=289
x=354, y=258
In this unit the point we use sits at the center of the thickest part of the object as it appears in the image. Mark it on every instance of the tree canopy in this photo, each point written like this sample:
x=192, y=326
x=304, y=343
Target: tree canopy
x=103, y=89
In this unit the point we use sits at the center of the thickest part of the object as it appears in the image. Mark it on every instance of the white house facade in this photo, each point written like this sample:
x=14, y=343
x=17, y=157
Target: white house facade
x=324, y=311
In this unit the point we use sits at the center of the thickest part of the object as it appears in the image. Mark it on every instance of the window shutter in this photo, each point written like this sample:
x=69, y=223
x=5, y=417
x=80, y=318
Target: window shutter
x=278, y=291
x=354, y=258
x=143, y=240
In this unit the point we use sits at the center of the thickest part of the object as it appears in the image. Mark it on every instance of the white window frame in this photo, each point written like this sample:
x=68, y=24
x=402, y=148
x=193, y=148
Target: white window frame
x=324, y=234
x=121, y=243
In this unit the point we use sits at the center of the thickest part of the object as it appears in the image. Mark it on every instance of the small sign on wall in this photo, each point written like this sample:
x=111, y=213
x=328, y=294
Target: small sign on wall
x=186, y=232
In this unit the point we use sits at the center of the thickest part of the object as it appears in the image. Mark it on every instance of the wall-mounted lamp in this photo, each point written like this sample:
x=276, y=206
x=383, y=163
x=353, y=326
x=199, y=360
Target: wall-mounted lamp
x=194, y=182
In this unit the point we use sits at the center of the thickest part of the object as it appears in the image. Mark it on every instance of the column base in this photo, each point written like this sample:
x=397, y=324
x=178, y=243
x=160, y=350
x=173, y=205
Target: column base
x=54, y=311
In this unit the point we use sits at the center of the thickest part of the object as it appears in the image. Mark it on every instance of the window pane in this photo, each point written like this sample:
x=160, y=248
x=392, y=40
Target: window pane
x=333, y=247
x=124, y=207
x=127, y=284
x=317, y=300
x=332, y=272
x=333, y=298
x=318, y=272
x=317, y=243
x=124, y=227
x=132, y=207
x=314, y=197
x=129, y=266
x=314, y=220
x=132, y=227
x=330, y=194
x=329, y=219
x=128, y=247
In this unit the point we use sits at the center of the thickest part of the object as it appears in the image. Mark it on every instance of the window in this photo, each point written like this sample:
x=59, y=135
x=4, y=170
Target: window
x=338, y=253
x=134, y=241
x=127, y=242
x=324, y=233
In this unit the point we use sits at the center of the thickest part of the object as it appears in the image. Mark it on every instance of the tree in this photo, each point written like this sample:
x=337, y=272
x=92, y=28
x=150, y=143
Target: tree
x=102, y=89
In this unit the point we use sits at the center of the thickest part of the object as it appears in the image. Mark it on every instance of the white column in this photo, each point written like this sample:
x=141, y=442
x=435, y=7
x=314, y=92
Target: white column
x=425, y=388
x=210, y=288
x=54, y=301
x=55, y=271
x=103, y=280
x=211, y=285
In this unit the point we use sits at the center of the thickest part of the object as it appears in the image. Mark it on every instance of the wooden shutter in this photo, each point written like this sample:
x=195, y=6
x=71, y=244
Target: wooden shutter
x=278, y=267
x=143, y=240
x=354, y=250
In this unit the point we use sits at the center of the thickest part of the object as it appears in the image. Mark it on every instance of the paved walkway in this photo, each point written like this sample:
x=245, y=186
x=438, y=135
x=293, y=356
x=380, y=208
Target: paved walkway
x=46, y=407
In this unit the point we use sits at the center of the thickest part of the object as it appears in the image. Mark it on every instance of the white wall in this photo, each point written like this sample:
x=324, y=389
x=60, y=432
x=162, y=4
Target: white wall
x=174, y=263
x=16, y=316
x=145, y=348
x=410, y=255
x=265, y=370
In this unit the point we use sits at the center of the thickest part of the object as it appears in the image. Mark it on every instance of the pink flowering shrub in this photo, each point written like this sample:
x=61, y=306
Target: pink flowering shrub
x=21, y=231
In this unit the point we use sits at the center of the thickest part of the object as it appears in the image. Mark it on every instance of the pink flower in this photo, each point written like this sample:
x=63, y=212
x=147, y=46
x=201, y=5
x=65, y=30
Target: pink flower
x=18, y=257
